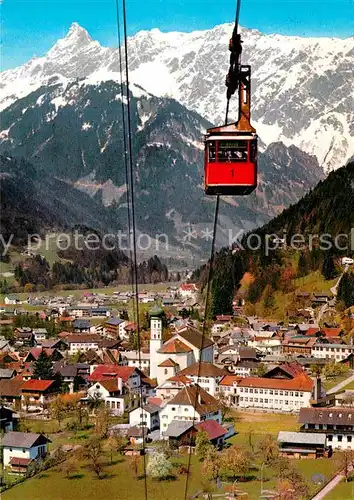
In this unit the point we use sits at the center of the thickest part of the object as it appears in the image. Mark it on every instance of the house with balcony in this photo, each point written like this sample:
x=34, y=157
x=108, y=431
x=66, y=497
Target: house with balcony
x=38, y=394
x=192, y=403
x=22, y=448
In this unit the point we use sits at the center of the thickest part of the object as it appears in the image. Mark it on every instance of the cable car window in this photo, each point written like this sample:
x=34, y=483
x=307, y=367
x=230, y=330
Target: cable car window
x=232, y=151
x=211, y=151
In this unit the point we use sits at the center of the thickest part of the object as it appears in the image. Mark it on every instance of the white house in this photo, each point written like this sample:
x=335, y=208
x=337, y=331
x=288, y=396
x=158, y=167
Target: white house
x=206, y=375
x=111, y=392
x=132, y=358
x=337, y=352
x=166, y=369
x=40, y=334
x=82, y=342
x=145, y=416
x=20, y=448
x=190, y=403
x=188, y=290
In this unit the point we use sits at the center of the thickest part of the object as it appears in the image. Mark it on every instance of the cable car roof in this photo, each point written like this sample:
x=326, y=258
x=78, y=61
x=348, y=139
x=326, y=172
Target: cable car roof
x=230, y=137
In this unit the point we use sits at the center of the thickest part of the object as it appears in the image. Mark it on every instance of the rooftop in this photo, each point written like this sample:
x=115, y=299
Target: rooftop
x=299, y=383
x=212, y=428
x=37, y=385
x=22, y=439
x=202, y=369
x=302, y=438
x=174, y=346
x=195, y=338
x=197, y=397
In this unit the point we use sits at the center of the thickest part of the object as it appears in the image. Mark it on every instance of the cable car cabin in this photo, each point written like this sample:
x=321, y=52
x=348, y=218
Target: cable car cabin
x=230, y=163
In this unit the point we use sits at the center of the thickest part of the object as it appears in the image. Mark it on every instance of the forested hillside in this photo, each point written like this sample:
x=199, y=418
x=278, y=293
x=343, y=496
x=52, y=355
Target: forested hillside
x=281, y=264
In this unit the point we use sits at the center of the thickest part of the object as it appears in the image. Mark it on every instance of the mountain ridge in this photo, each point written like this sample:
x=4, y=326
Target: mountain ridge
x=301, y=95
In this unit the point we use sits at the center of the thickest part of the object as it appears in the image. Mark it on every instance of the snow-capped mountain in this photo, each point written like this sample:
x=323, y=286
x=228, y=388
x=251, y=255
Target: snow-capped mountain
x=302, y=87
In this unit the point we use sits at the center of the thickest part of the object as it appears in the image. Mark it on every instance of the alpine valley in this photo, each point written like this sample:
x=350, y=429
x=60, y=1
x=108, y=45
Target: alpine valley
x=62, y=113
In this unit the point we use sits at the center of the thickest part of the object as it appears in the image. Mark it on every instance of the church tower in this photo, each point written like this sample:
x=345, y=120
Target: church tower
x=155, y=339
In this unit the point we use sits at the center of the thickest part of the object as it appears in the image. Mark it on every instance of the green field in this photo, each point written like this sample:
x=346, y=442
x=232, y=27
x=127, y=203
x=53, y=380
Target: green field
x=343, y=491
x=332, y=382
x=119, y=480
x=349, y=387
x=157, y=287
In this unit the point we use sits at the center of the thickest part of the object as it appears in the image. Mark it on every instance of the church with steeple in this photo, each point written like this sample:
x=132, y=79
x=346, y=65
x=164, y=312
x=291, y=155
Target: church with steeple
x=186, y=347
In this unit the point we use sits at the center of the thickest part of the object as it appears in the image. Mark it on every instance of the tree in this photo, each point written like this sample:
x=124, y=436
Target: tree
x=69, y=467
x=236, y=460
x=93, y=453
x=58, y=409
x=27, y=402
x=134, y=464
x=81, y=414
x=346, y=289
x=268, y=450
x=43, y=369
x=94, y=402
x=202, y=445
x=328, y=267
x=212, y=464
x=268, y=298
x=102, y=421
x=78, y=381
x=285, y=471
x=346, y=462
x=316, y=370
x=250, y=441
x=223, y=405
x=303, y=265
x=261, y=370
x=158, y=466
x=117, y=440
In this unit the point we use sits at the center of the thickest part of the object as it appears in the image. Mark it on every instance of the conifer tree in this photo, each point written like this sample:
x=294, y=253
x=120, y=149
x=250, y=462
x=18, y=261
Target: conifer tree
x=43, y=368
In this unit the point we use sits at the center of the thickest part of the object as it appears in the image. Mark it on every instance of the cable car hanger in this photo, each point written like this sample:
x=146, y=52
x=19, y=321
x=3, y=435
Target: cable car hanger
x=230, y=164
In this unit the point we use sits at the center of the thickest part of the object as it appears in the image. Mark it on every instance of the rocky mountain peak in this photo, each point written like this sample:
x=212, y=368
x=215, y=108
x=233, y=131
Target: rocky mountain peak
x=75, y=39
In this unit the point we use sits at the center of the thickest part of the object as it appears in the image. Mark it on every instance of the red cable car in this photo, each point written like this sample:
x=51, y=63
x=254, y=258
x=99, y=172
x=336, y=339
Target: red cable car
x=230, y=166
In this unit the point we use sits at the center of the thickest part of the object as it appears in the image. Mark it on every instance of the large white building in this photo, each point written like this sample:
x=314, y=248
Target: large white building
x=82, y=342
x=275, y=394
x=336, y=423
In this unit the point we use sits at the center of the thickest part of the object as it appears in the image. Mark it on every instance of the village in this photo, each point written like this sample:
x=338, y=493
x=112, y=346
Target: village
x=245, y=397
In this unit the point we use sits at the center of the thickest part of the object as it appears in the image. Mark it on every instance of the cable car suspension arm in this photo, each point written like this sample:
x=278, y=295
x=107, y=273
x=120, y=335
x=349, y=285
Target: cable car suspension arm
x=235, y=47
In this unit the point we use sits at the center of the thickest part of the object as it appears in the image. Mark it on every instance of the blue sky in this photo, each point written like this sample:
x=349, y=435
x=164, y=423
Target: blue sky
x=31, y=27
